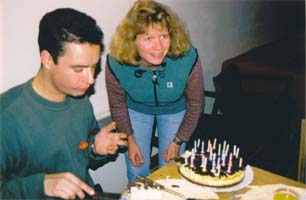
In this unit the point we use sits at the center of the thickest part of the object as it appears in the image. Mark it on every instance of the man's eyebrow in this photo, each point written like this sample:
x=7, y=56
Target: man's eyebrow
x=84, y=66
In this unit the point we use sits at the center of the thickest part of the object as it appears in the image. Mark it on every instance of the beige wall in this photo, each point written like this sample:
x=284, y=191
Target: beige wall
x=219, y=29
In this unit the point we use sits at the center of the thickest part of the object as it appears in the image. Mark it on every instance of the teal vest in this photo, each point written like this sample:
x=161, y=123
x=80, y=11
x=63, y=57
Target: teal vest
x=155, y=92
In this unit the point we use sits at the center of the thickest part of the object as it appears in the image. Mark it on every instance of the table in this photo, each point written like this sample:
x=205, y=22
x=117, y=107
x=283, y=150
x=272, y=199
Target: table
x=261, y=177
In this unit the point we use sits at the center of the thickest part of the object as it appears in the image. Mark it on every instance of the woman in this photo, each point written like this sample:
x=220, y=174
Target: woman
x=153, y=72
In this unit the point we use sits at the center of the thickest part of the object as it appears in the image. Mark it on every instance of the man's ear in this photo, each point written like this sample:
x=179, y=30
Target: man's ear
x=46, y=59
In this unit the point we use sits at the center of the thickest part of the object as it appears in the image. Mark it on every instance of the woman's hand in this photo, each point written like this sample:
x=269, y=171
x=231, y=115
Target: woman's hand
x=135, y=155
x=172, y=152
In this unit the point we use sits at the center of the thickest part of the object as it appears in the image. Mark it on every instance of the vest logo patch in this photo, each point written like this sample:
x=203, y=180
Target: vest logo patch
x=169, y=85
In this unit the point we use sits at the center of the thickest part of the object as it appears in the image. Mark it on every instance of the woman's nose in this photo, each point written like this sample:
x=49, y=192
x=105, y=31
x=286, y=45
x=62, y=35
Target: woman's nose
x=158, y=44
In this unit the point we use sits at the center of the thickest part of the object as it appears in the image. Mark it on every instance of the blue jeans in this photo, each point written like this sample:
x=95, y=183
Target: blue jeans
x=142, y=124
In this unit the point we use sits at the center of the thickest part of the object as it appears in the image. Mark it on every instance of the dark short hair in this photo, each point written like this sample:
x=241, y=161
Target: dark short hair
x=67, y=25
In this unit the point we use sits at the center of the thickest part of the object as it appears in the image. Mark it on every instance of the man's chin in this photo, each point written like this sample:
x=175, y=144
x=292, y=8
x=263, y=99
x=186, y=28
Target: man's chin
x=78, y=94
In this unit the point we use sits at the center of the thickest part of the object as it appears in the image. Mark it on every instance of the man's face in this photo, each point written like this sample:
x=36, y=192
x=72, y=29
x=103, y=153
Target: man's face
x=74, y=72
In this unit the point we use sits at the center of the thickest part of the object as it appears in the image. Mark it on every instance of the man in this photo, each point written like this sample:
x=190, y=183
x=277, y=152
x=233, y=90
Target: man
x=48, y=131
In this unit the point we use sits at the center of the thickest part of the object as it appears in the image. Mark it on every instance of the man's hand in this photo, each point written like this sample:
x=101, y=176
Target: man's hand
x=107, y=142
x=66, y=186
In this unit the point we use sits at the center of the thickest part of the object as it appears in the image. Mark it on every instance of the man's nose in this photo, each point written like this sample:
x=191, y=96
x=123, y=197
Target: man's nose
x=89, y=75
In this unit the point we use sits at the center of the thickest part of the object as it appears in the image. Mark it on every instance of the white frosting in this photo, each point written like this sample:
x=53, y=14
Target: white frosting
x=140, y=193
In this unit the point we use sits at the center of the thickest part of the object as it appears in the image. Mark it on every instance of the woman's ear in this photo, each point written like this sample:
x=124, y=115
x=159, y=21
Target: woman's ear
x=46, y=59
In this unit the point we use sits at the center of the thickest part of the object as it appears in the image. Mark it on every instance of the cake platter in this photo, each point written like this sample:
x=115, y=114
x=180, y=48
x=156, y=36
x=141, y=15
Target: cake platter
x=249, y=175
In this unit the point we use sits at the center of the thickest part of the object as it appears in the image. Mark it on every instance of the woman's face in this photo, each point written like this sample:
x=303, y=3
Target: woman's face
x=153, y=45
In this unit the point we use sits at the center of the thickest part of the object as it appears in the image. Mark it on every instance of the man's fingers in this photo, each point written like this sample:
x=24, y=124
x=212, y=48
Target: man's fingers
x=112, y=149
x=122, y=143
x=87, y=189
x=109, y=127
x=123, y=136
x=81, y=186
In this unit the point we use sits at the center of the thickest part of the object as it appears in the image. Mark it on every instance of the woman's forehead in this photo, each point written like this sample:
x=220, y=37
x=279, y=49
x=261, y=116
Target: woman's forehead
x=155, y=27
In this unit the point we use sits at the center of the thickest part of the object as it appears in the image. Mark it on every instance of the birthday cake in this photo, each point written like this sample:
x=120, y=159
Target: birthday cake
x=218, y=165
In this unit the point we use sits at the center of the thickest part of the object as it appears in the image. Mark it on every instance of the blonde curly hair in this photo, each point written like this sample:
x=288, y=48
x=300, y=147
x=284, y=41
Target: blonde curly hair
x=141, y=16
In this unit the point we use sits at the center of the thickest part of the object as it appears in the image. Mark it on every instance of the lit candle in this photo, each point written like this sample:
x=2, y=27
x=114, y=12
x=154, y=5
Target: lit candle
x=195, y=146
x=215, y=144
x=223, y=159
x=218, y=161
x=234, y=150
x=208, y=146
x=224, y=146
x=213, y=168
x=202, y=147
x=198, y=144
x=218, y=170
x=230, y=161
x=237, y=152
x=226, y=151
x=240, y=162
x=205, y=164
x=210, y=154
x=203, y=161
x=229, y=169
x=219, y=149
x=192, y=161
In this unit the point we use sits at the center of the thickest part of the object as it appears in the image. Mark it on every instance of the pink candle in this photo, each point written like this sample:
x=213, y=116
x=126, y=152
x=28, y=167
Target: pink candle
x=205, y=164
x=229, y=169
x=192, y=161
x=203, y=161
x=230, y=161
